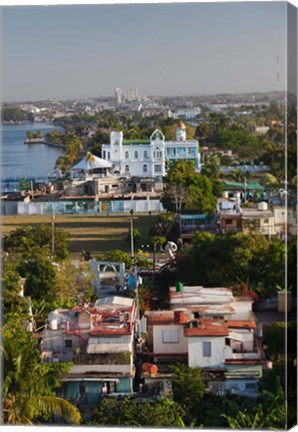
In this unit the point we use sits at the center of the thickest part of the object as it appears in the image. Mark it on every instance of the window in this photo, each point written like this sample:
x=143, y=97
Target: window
x=250, y=386
x=266, y=221
x=136, y=155
x=144, y=168
x=127, y=168
x=145, y=154
x=229, y=221
x=104, y=154
x=157, y=168
x=207, y=349
x=170, y=336
x=126, y=155
x=68, y=343
x=109, y=155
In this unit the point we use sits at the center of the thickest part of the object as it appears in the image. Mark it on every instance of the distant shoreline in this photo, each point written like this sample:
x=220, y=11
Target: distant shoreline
x=25, y=122
x=42, y=141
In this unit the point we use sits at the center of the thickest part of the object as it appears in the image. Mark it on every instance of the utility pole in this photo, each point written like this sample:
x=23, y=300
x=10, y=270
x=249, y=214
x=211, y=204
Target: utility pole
x=53, y=229
x=244, y=190
x=138, y=324
x=131, y=235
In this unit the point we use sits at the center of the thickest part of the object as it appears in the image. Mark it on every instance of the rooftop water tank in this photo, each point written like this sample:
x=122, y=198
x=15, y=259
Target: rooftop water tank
x=53, y=324
x=179, y=287
x=263, y=206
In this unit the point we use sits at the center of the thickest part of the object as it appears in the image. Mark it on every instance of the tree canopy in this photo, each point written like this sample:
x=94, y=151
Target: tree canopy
x=195, y=190
x=129, y=412
x=29, y=385
x=226, y=260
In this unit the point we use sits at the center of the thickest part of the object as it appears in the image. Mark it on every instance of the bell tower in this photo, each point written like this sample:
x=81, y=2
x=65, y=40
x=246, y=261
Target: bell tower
x=181, y=132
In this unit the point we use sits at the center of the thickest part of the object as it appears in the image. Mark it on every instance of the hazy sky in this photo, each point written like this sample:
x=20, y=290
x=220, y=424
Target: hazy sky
x=166, y=49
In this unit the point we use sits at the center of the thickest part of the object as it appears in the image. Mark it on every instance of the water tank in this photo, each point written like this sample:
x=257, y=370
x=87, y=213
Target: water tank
x=153, y=370
x=146, y=367
x=53, y=324
x=179, y=286
x=262, y=206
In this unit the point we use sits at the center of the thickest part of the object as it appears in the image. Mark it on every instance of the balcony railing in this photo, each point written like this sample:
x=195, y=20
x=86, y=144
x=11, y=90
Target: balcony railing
x=123, y=358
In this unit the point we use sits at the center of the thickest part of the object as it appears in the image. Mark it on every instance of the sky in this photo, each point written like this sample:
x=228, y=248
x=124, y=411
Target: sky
x=81, y=51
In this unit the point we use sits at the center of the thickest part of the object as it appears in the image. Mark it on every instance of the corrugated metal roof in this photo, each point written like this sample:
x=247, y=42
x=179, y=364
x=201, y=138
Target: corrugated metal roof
x=114, y=301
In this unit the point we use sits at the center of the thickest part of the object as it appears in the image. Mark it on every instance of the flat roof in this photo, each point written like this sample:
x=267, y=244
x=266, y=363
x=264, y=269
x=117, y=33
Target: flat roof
x=198, y=295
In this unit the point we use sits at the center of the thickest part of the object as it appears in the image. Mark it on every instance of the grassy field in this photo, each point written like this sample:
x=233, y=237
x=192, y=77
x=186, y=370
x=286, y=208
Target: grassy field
x=94, y=233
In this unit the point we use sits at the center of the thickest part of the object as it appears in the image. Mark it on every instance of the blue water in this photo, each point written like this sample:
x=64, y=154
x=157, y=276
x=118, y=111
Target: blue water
x=26, y=160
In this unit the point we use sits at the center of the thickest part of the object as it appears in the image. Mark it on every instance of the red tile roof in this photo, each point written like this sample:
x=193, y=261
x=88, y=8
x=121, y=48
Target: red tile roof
x=248, y=324
x=208, y=328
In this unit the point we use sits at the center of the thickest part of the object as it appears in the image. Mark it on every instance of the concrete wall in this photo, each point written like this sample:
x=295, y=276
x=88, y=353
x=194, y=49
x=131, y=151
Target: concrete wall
x=169, y=347
x=85, y=207
x=195, y=351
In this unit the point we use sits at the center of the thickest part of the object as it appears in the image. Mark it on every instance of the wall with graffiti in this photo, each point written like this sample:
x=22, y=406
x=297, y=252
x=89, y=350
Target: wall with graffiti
x=85, y=207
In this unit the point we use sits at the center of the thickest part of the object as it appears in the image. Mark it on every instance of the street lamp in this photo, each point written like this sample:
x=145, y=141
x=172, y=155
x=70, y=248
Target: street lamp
x=53, y=228
x=131, y=235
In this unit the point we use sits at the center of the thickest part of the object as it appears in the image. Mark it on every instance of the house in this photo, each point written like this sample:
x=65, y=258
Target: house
x=190, y=223
x=99, y=341
x=150, y=158
x=242, y=191
x=210, y=329
x=245, y=220
x=273, y=221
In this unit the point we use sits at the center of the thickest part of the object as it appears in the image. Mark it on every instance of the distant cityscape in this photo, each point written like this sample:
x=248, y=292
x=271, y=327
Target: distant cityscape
x=131, y=102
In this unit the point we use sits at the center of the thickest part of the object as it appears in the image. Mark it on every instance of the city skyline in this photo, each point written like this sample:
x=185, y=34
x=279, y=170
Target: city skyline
x=70, y=52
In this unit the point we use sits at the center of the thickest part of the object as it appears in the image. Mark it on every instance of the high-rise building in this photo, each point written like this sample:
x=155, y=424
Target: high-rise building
x=118, y=95
x=133, y=94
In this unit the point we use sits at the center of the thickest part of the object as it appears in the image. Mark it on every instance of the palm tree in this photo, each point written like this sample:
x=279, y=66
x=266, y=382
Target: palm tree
x=28, y=386
x=90, y=158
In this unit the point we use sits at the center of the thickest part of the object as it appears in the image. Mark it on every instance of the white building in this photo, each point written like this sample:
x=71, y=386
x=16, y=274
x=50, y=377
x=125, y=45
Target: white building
x=118, y=95
x=188, y=113
x=212, y=330
x=150, y=158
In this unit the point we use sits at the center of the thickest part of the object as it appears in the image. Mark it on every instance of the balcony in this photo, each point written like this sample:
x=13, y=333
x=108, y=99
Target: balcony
x=122, y=358
x=245, y=356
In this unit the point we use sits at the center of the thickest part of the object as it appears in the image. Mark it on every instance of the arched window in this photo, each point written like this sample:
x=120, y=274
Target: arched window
x=145, y=154
x=126, y=155
x=136, y=155
x=126, y=168
x=157, y=153
x=144, y=168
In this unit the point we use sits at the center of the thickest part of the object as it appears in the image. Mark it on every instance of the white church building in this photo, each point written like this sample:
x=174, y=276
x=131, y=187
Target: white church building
x=150, y=158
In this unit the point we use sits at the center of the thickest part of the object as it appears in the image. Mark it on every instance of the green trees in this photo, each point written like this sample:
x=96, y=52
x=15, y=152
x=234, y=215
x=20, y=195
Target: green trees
x=224, y=261
x=74, y=147
x=28, y=385
x=128, y=412
x=14, y=114
x=188, y=390
x=196, y=190
x=270, y=413
x=38, y=236
x=47, y=283
x=40, y=276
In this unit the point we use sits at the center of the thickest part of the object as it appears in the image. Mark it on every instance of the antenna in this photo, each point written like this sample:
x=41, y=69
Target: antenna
x=278, y=78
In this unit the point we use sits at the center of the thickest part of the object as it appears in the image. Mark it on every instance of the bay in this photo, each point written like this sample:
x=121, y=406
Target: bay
x=26, y=160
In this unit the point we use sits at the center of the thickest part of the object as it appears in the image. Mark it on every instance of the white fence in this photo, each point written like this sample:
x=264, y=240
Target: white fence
x=85, y=207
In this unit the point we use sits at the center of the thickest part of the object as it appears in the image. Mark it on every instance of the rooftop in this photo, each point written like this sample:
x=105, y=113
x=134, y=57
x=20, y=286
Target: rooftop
x=198, y=295
x=207, y=328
